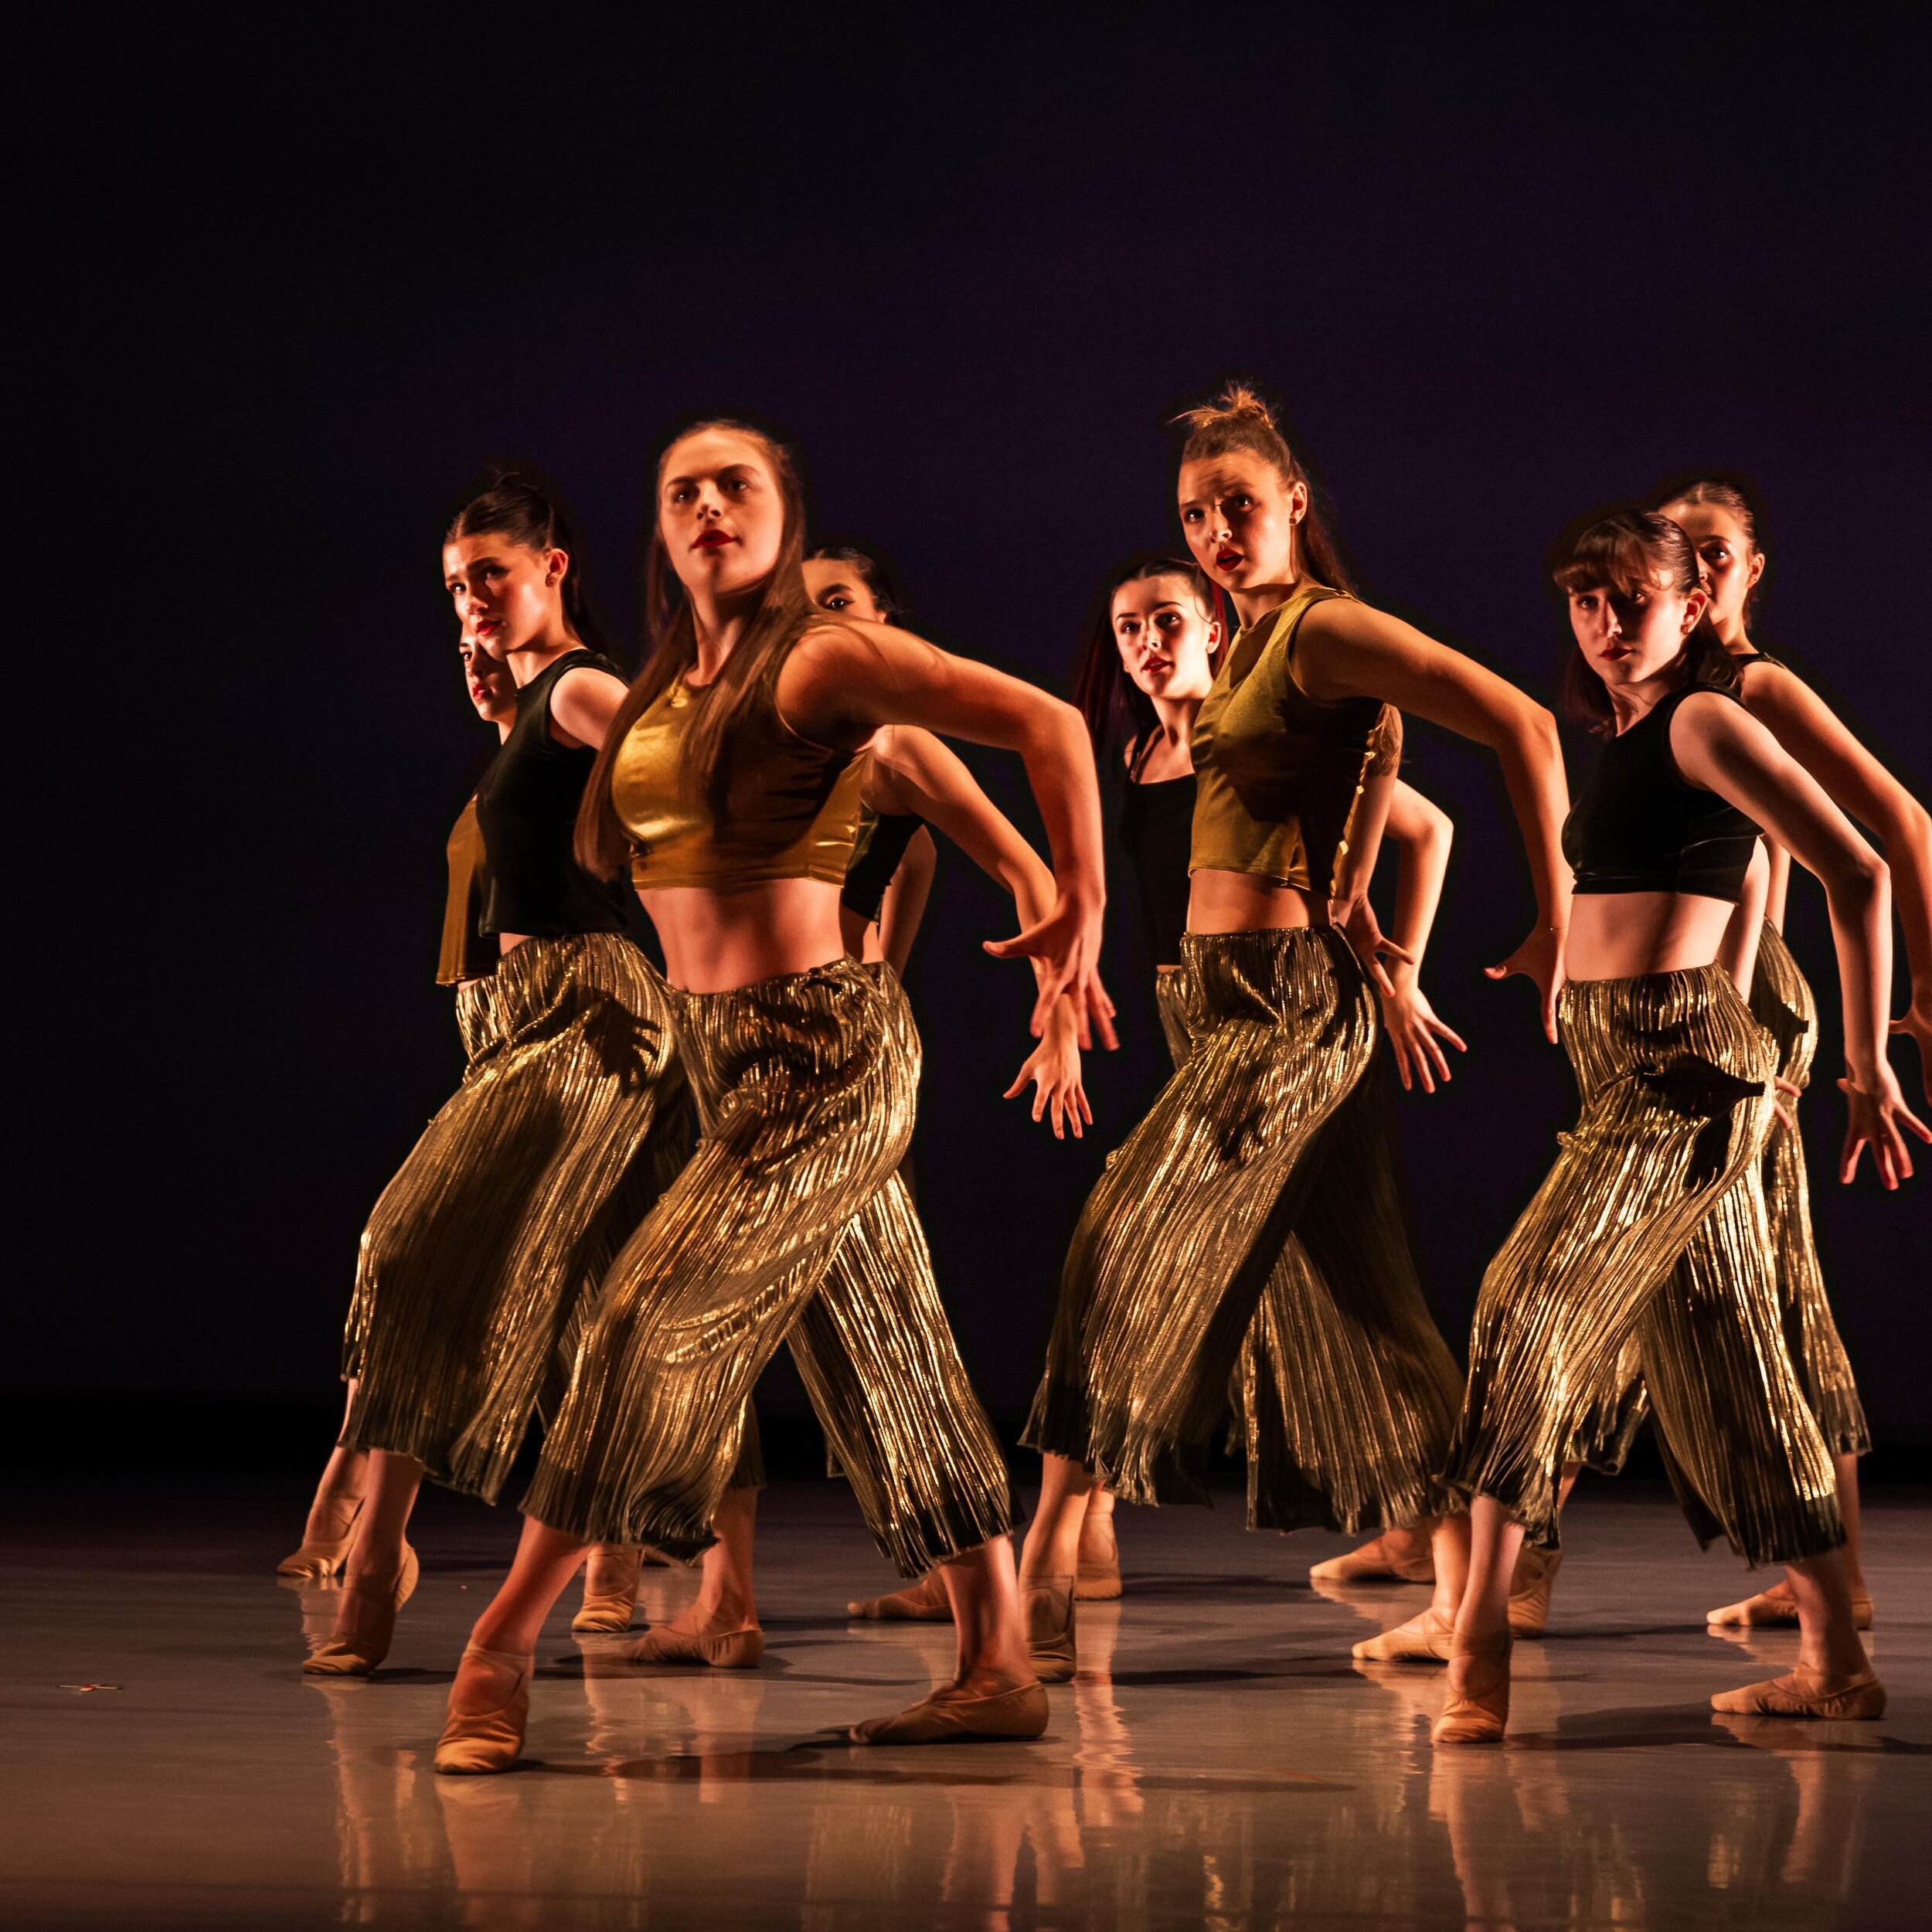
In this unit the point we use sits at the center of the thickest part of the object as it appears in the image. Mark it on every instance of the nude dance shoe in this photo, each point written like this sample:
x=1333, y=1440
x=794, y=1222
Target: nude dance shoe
x=355, y=1653
x=610, y=1581
x=1375, y=1563
x=1529, y=1590
x=1422, y=1639
x=955, y=1715
x=1048, y=1602
x=739, y=1649
x=1476, y=1715
x=1806, y=1693
x=1096, y=1577
x=924, y=1602
x=1778, y=1607
x=474, y=1745
x=320, y=1560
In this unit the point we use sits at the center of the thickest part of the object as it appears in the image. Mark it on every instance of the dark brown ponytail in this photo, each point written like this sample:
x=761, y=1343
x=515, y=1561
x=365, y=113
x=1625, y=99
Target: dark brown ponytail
x=524, y=507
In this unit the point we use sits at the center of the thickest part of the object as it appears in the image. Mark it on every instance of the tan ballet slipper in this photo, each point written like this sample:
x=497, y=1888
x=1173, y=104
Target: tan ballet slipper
x=1776, y=1608
x=355, y=1652
x=611, y=1581
x=1422, y=1639
x=490, y=1740
x=1478, y=1713
x=1048, y=1604
x=957, y=1714
x=1096, y=1577
x=1529, y=1590
x=1806, y=1693
x=1379, y=1561
x=924, y=1602
x=739, y=1649
x=321, y=1558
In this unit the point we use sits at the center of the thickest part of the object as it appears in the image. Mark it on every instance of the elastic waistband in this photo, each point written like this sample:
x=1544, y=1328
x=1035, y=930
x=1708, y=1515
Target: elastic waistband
x=1611, y=1026
x=814, y=982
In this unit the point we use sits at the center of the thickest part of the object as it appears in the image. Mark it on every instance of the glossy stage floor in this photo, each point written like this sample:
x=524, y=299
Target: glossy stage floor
x=1218, y=1762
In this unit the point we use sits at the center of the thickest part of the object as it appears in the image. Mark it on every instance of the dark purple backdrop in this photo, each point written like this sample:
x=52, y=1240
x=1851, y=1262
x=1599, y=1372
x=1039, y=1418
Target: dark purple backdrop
x=287, y=283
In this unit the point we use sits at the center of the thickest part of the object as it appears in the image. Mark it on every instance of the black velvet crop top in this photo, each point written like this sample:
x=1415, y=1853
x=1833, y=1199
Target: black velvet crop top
x=1639, y=826
x=876, y=856
x=1157, y=827
x=527, y=806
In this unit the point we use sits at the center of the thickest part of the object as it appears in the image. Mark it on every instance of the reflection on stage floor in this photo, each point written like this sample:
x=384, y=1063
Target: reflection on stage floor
x=1219, y=1761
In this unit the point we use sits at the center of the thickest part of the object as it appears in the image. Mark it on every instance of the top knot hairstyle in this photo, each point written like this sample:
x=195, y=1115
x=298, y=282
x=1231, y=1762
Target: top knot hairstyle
x=873, y=571
x=529, y=510
x=783, y=614
x=1627, y=549
x=1240, y=421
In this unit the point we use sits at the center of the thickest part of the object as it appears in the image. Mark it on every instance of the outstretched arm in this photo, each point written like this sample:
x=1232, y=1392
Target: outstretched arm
x=1719, y=745
x=1422, y=834
x=841, y=683
x=911, y=771
x=1816, y=737
x=1348, y=649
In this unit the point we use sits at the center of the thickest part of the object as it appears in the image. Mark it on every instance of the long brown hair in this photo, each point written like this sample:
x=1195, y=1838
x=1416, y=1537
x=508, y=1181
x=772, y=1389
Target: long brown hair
x=784, y=612
x=529, y=509
x=1626, y=548
x=1239, y=418
x=1116, y=708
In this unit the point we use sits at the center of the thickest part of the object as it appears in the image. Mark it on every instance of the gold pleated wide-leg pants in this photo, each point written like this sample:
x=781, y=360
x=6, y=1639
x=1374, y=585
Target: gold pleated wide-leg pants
x=1254, y=1218
x=572, y=1118
x=1652, y=1227
x=789, y=1224
x=1781, y=1001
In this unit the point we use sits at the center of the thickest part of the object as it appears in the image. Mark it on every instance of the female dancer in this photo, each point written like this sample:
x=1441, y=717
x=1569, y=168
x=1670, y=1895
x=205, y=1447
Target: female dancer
x=911, y=779
x=732, y=774
x=1718, y=517
x=1268, y=1130
x=571, y=1115
x=464, y=957
x=1651, y=1223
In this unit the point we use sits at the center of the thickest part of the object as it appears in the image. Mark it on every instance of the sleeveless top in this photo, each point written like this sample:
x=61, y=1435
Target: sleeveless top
x=1639, y=826
x=876, y=854
x=465, y=953
x=526, y=805
x=792, y=807
x=1278, y=773
x=1157, y=823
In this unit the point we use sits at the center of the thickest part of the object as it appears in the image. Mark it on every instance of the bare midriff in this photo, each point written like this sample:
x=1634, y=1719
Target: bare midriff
x=1241, y=902
x=1623, y=935
x=714, y=942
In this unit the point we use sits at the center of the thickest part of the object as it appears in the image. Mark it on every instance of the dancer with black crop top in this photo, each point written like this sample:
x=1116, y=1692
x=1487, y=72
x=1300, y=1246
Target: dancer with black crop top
x=1651, y=1223
x=462, y=956
x=732, y=776
x=572, y=1114
x=1268, y=1130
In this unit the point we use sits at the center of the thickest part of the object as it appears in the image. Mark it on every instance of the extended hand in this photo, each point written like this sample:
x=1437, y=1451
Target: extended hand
x=1359, y=927
x=1539, y=958
x=1053, y=1068
x=1067, y=945
x=1874, y=1120
x=1415, y=1035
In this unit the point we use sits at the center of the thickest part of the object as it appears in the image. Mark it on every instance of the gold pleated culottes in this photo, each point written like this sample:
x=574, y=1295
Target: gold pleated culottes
x=789, y=1224
x=571, y=1118
x=1251, y=1228
x=1651, y=1228
x=1781, y=1001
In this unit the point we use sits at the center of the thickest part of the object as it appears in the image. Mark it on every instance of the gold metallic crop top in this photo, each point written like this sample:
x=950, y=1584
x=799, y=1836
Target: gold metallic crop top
x=792, y=809
x=1278, y=773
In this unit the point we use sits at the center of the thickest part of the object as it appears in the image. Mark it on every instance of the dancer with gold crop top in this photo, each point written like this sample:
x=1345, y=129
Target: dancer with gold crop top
x=1264, y=1131
x=572, y=1113
x=731, y=775
x=1650, y=1226
x=462, y=956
